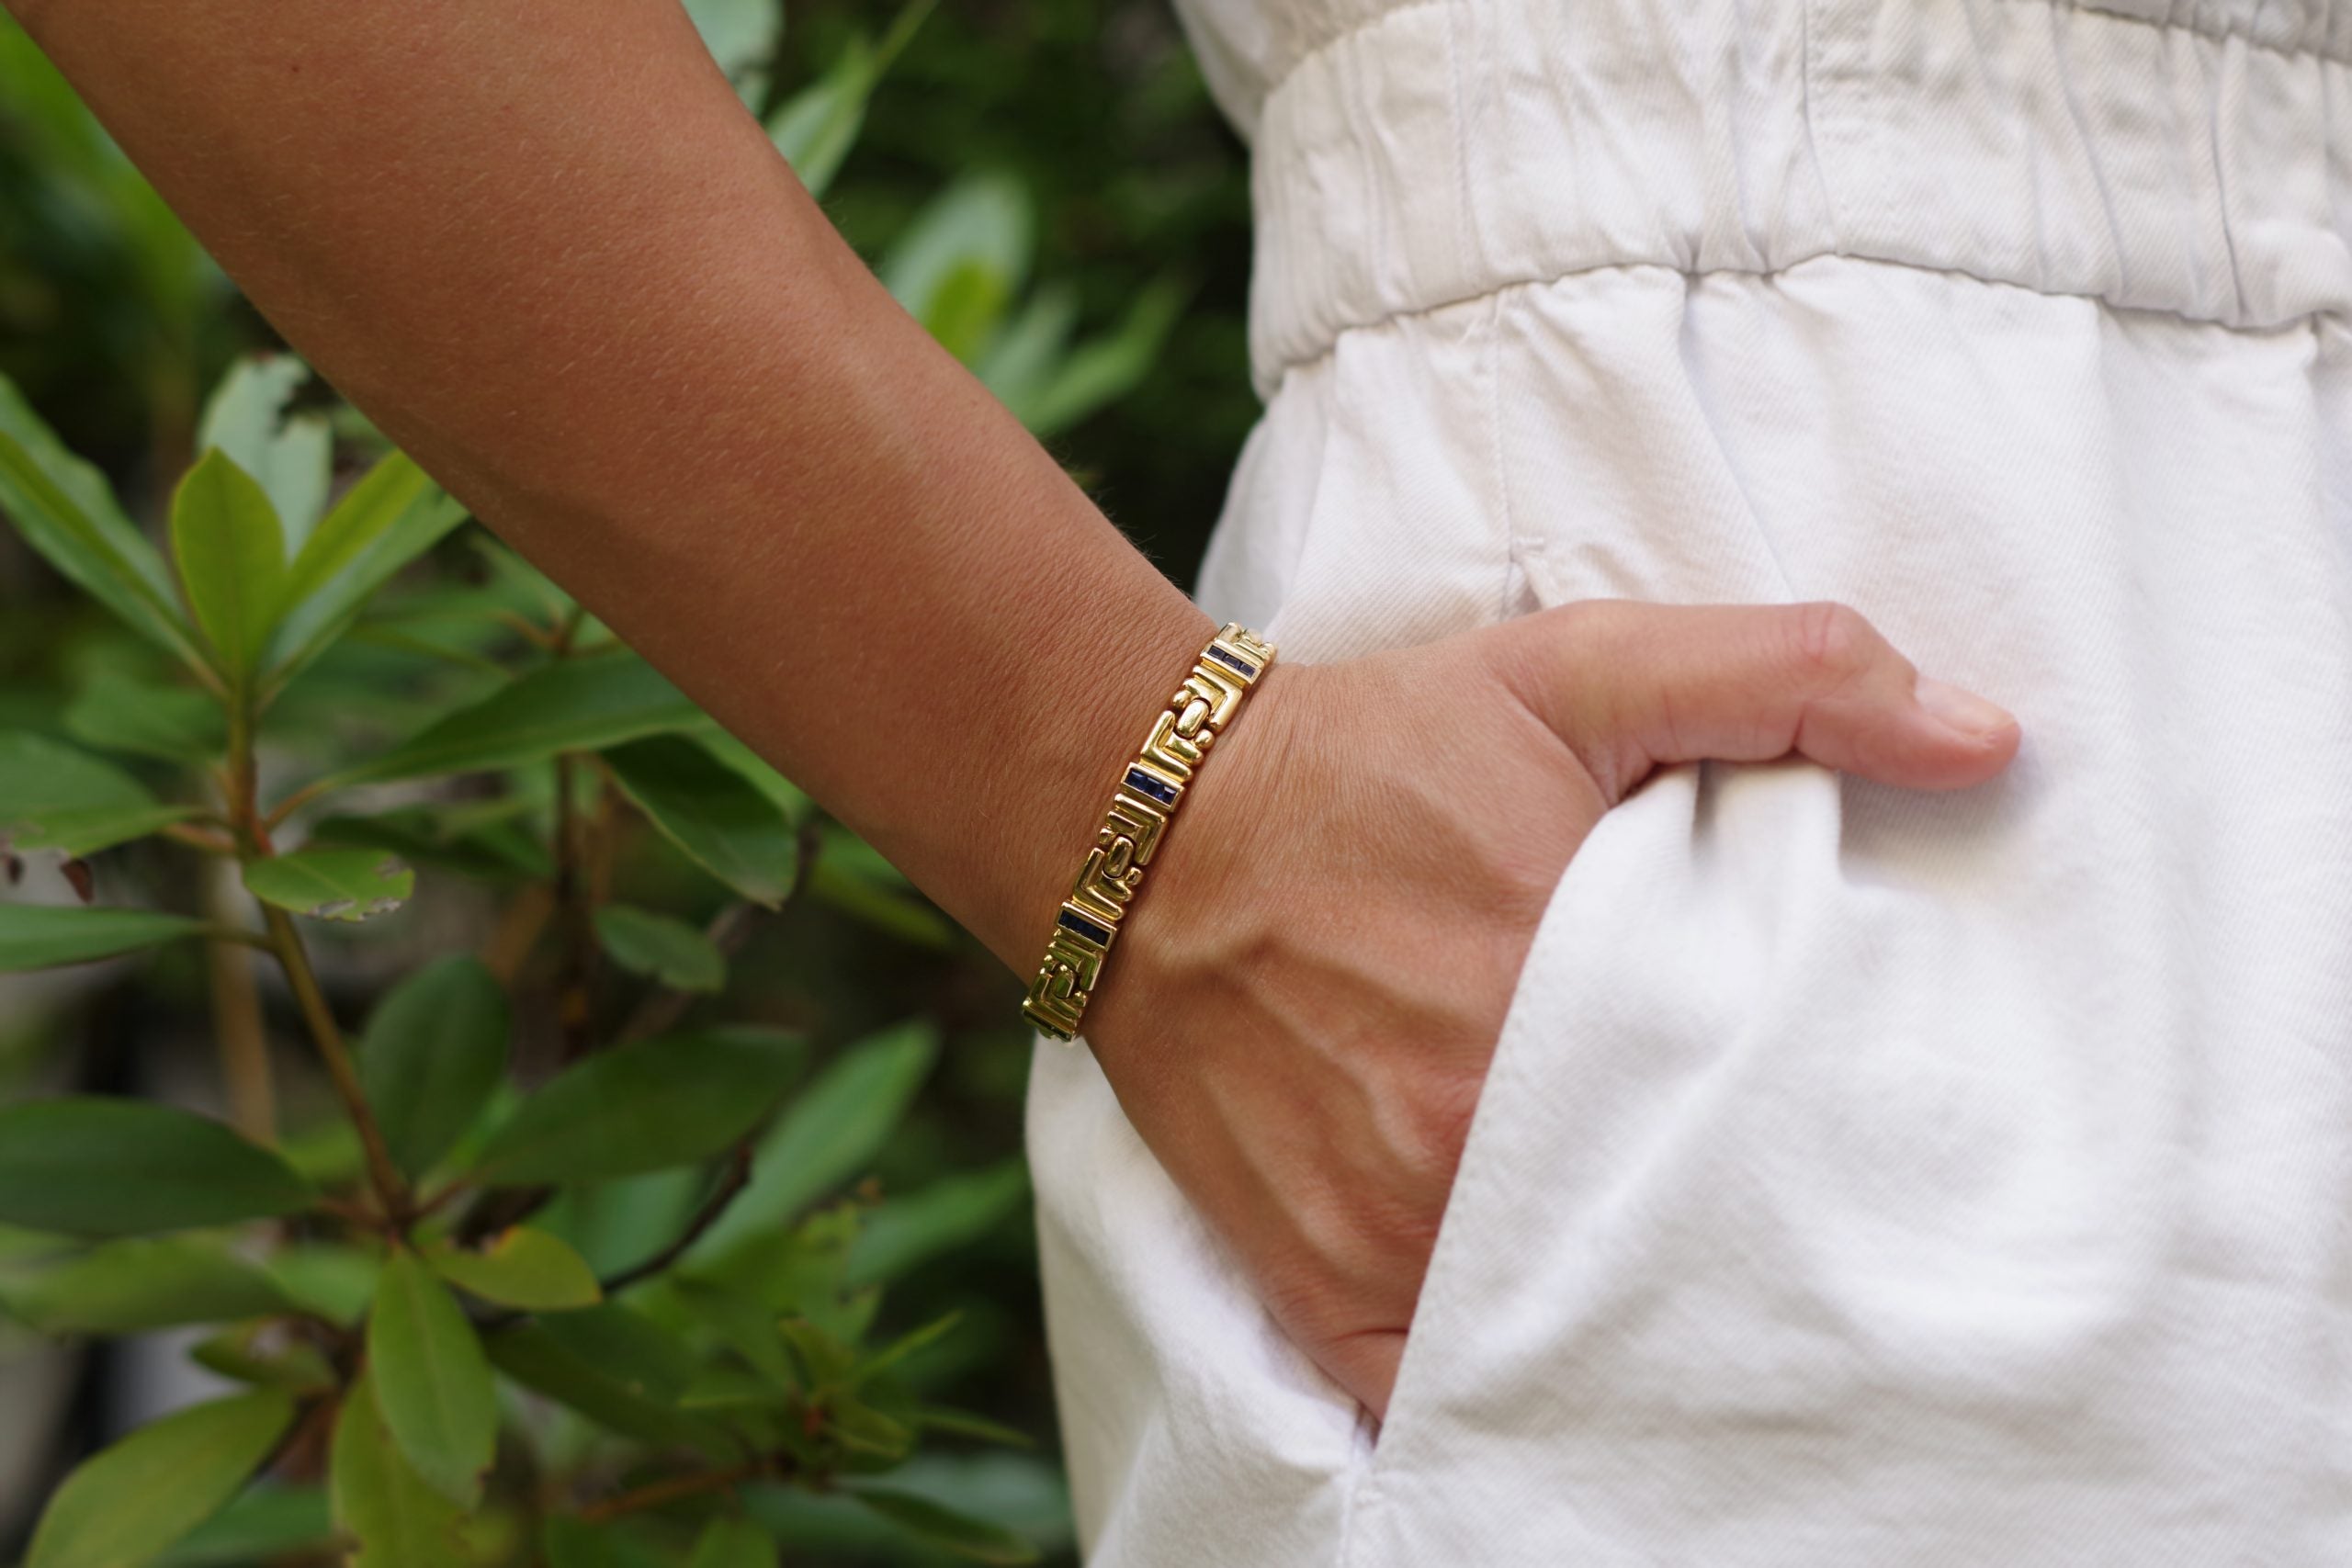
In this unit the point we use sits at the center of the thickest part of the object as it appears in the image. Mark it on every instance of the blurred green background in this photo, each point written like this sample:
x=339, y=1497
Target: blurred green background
x=1090, y=117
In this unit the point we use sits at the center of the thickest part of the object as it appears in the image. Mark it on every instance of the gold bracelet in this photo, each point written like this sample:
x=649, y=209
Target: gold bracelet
x=1147, y=795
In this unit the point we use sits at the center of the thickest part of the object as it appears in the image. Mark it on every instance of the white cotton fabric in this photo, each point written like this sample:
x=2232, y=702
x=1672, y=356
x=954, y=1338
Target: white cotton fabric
x=1866, y=1179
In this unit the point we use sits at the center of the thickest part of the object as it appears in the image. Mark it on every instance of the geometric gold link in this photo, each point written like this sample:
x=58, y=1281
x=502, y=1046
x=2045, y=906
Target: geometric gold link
x=1149, y=790
x=1135, y=822
x=1165, y=748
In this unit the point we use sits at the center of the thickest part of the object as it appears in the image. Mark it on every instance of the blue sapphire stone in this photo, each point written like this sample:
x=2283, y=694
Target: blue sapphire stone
x=1248, y=670
x=1086, y=927
x=1144, y=783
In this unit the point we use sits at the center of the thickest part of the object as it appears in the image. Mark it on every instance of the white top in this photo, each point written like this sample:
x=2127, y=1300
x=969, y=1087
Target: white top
x=1866, y=1179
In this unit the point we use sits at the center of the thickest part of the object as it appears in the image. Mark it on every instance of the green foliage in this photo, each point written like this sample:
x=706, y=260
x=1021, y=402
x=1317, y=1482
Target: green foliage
x=642, y=1106
x=521, y=1267
x=152, y=1488
x=733, y=1543
x=129, y=1287
x=431, y=1381
x=712, y=813
x=576, y=1227
x=331, y=884
x=380, y=1501
x=231, y=557
x=644, y=942
x=103, y=1167
x=53, y=797
x=834, y=1128
x=816, y=128
x=62, y=508
x=434, y=1053
x=976, y=1538
x=247, y=419
x=578, y=705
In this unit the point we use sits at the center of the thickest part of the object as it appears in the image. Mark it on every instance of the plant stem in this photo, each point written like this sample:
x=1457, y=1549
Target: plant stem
x=659, y=1011
x=732, y=1181
x=236, y=1014
x=309, y=792
x=196, y=838
x=519, y=925
x=239, y=1034
x=385, y=1176
x=728, y=930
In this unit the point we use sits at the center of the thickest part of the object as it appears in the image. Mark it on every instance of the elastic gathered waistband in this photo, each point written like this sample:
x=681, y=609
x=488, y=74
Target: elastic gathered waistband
x=2188, y=156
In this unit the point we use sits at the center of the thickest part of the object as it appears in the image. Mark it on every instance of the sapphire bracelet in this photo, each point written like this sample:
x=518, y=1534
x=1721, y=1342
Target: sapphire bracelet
x=1147, y=797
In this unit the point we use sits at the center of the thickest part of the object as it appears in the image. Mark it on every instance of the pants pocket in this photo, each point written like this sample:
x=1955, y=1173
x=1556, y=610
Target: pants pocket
x=1601, y=888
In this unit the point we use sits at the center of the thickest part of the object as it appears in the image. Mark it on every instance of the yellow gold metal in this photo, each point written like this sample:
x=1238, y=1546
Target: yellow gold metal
x=1149, y=790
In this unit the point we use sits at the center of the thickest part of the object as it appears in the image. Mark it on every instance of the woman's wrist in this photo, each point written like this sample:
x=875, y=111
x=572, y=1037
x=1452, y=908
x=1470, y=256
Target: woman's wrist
x=1063, y=759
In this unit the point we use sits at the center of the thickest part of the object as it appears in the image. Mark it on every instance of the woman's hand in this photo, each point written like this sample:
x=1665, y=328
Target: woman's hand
x=1300, y=1024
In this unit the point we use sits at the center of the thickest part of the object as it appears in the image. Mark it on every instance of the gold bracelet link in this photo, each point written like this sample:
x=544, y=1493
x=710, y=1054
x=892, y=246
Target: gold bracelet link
x=1147, y=797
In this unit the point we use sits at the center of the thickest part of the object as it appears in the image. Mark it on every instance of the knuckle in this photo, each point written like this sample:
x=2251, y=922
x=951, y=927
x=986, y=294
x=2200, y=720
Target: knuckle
x=1833, y=640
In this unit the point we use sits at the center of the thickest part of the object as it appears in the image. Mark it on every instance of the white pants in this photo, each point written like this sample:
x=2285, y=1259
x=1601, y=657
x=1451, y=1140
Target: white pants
x=1865, y=1178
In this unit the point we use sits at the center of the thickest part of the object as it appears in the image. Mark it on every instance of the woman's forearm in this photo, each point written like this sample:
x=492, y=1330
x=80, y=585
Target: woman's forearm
x=548, y=251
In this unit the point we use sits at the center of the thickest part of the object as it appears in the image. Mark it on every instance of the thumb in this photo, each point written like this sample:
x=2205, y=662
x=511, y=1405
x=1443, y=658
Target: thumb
x=1630, y=686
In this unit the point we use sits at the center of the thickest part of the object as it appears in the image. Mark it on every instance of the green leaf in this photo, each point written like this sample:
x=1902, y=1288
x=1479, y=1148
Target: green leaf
x=118, y=713
x=381, y=1501
x=642, y=1106
x=433, y=1053
x=37, y=936
x=264, y=1354
x=878, y=903
x=129, y=1287
x=266, y=1524
x=391, y=516
x=833, y=1129
x=616, y=1224
x=731, y=1542
x=907, y=1345
x=963, y=255
x=944, y=1527
x=670, y=951
x=287, y=454
x=62, y=508
x=825, y=1363
x=332, y=884
x=964, y=1424
x=745, y=1324
x=103, y=1167
x=130, y=1501
x=520, y=1267
x=528, y=1354
x=334, y=1283
x=454, y=838
x=949, y=1213
x=1022, y=357
x=818, y=126
x=571, y=1541
x=746, y=765
x=742, y=36
x=1106, y=369
x=53, y=797
x=710, y=811
x=967, y=308
x=574, y=704
x=647, y=1357
x=432, y=1384
x=231, y=557
x=863, y=1429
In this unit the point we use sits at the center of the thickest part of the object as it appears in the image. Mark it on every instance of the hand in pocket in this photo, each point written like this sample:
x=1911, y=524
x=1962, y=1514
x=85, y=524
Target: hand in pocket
x=1303, y=1009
